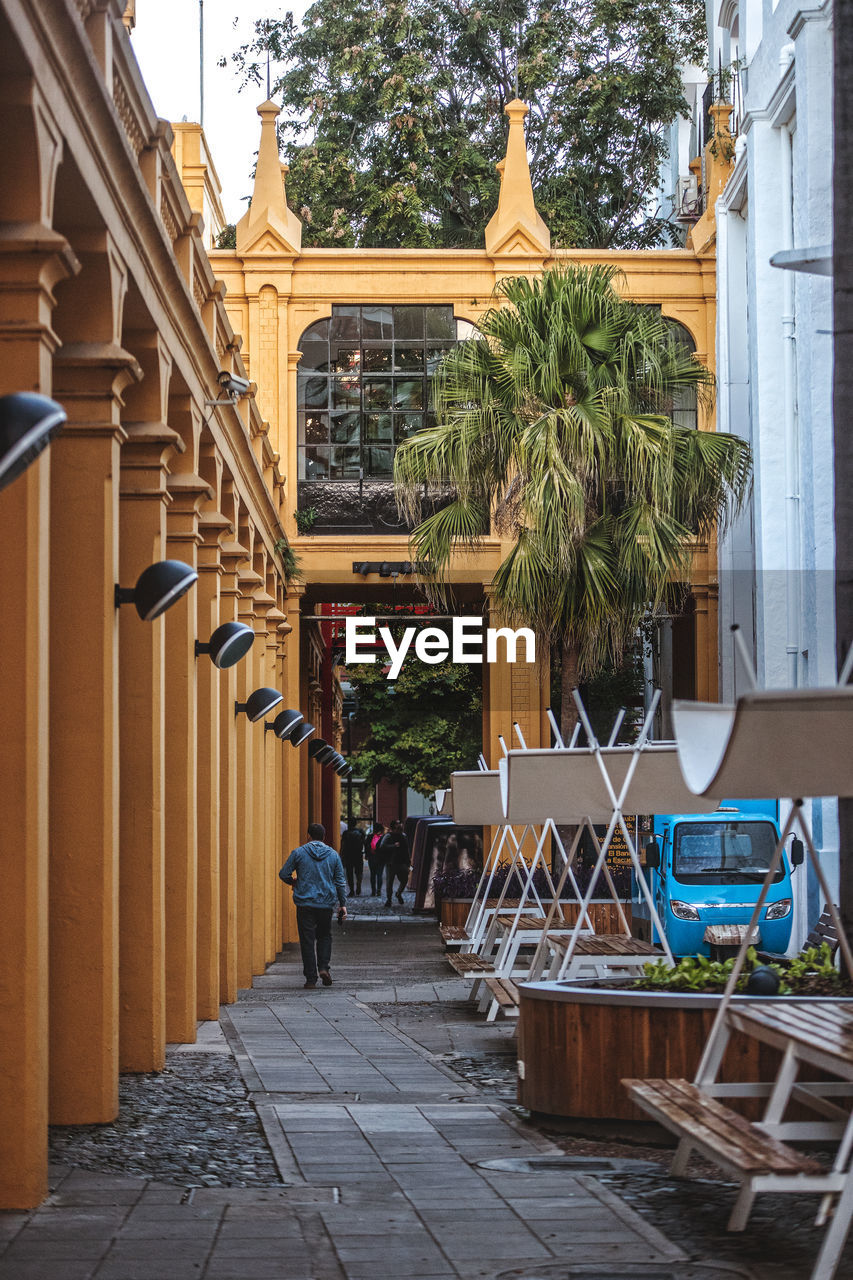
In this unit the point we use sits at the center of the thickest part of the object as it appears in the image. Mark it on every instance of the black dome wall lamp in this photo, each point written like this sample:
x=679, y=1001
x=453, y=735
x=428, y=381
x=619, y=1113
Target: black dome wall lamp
x=326, y=756
x=301, y=734
x=228, y=644
x=285, y=724
x=342, y=768
x=259, y=703
x=28, y=423
x=318, y=745
x=157, y=588
x=336, y=760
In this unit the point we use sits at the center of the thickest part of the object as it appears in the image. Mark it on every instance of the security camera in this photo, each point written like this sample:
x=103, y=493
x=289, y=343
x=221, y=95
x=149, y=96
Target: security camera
x=233, y=385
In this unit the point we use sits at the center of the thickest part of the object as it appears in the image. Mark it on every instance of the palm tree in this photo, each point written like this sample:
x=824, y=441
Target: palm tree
x=556, y=424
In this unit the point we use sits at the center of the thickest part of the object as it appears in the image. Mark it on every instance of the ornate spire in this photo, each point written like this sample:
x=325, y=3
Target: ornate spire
x=516, y=228
x=268, y=224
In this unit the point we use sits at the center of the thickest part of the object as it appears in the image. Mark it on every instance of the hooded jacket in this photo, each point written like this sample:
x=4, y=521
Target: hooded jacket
x=320, y=878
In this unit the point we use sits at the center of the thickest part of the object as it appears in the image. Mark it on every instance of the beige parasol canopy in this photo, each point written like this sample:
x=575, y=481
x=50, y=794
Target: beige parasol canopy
x=476, y=798
x=567, y=785
x=443, y=803
x=771, y=743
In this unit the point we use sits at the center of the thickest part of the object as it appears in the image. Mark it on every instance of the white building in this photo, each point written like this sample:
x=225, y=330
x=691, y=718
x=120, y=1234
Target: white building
x=774, y=357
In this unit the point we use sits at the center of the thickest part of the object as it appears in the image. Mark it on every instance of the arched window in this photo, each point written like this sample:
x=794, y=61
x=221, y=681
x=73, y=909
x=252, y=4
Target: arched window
x=363, y=386
x=684, y=405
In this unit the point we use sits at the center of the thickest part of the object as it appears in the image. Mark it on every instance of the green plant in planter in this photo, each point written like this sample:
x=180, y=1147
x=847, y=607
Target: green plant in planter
x=813, y=972
x=814, y=962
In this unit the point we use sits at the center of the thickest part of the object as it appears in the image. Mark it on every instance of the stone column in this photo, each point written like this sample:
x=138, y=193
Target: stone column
x=247, y=762
x=294, y=795
x=705, y=595
x=513, y=692
x=266, y=746
x=142, y=514
x=273, y=859
x=89, y=378
x=33, y=258
x=232, y=554
x=186, y=490
x=212, y=526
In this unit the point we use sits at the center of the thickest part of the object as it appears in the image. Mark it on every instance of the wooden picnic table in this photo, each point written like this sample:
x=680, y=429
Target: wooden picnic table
x=599, y=953
x=816, y=1034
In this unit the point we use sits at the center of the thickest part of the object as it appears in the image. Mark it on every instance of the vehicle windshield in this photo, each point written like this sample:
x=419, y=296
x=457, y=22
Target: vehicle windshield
x=724, y=852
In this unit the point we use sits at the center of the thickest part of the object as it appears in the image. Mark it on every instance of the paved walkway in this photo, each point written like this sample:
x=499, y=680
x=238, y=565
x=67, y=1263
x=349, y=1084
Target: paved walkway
x=392, y=1163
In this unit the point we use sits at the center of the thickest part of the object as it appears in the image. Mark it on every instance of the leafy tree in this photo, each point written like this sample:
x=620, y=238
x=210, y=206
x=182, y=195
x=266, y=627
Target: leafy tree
x=557, y=423
x=393, y=114
x=421, y=726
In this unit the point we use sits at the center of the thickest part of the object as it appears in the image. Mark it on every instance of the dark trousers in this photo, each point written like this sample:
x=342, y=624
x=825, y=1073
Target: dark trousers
x=315, y=939
x=354, y=868
x=396, y=871
x=377, y=866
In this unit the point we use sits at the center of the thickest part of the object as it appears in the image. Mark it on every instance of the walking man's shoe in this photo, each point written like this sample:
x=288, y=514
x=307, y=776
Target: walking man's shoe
x=387, y=902
x=309, y=986
x=325, y=977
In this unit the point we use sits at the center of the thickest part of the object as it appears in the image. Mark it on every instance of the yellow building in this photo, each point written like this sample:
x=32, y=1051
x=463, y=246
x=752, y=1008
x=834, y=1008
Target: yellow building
x=143, y=819
x=341, y=343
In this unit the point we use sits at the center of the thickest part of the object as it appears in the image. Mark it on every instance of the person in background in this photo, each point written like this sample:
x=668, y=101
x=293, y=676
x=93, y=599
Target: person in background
x=320, y=884
x=375, y=860
x=394, y=848
x=352, y=856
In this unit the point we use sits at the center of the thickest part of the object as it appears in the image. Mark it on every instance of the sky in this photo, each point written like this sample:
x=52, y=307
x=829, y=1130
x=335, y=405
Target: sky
x=166, y=43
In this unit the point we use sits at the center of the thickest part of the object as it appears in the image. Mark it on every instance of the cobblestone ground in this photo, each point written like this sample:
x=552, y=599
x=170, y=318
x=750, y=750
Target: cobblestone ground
x=190, y=1125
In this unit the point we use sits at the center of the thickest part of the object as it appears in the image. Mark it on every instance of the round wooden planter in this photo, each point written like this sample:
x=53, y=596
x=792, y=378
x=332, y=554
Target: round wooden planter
x=604, y=915
x=576, y=1044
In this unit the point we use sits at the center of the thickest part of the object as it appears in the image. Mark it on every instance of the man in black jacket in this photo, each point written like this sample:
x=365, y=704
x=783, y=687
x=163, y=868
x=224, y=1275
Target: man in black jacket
x=394, y=848
x=352, y=856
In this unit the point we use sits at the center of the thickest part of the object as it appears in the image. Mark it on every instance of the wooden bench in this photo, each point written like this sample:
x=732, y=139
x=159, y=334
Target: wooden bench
x=724, y=939
x=757, y=1160
x=824, y=931
x=470, y=964
x=505, y=994
x=454, y=935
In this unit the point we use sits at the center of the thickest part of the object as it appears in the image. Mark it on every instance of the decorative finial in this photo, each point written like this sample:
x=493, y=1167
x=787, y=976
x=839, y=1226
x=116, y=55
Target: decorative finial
x=516, y=227
x=268, y=212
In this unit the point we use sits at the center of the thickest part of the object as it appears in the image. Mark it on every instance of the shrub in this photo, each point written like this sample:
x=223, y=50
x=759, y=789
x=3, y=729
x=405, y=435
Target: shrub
x=463, y=884
x=813, y=972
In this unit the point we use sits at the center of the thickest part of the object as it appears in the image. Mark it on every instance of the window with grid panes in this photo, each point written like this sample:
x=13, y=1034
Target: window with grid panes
x=363, y=386
x=685, y=410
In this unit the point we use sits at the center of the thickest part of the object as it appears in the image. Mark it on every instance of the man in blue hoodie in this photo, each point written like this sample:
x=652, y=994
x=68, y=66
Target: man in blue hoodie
x=320, y=883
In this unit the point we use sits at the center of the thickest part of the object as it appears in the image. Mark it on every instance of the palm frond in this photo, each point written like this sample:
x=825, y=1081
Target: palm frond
x=557, y=421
